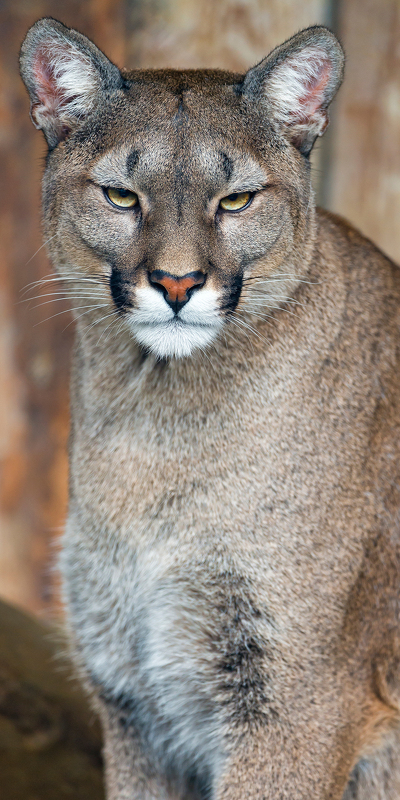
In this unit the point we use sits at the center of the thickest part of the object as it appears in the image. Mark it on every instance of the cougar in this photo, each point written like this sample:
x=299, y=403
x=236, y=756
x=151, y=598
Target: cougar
x=231, y=554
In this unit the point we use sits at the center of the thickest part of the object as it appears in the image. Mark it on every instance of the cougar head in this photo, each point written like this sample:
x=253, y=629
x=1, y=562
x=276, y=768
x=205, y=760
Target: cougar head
x=178, y=201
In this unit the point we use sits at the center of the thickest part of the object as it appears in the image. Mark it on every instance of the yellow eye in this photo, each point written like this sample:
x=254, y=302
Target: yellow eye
x=235, y=202
x=122, y=198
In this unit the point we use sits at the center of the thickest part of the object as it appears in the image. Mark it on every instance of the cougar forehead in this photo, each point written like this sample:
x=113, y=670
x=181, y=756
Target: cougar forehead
x=167, y=116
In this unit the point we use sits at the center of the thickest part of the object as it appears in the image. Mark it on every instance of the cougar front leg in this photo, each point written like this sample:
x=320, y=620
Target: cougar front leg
x=308, y=748
x=277, y=766
x=377, y=777
x=128, y=773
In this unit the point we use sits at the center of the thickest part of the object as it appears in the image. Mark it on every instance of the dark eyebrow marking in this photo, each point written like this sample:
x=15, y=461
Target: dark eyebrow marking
x=227, y=165
x=131, y=161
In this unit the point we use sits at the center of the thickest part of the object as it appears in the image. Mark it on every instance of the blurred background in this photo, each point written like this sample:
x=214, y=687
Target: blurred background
x=356, y=173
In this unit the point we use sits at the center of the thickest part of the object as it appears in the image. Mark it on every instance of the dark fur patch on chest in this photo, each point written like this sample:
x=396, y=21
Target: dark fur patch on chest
x=244, y=685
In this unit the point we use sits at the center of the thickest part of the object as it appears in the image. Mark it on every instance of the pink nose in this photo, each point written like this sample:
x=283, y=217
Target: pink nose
x=177, y=289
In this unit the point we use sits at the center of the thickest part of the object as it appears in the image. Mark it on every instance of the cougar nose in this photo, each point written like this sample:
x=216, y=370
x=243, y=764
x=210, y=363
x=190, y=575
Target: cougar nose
x=176, y=289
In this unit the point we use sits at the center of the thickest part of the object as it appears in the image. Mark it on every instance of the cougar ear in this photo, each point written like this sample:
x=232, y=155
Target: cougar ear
x=65, y=74
x=296, y=83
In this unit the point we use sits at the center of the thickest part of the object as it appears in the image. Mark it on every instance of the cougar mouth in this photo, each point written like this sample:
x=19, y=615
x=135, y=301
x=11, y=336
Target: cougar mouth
x=166, y=333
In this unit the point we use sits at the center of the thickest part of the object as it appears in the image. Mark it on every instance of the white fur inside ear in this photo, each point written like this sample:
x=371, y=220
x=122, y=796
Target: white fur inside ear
x=297, y=87
x=66, y=81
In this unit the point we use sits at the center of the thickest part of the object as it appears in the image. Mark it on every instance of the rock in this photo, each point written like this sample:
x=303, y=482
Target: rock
x=50, y=742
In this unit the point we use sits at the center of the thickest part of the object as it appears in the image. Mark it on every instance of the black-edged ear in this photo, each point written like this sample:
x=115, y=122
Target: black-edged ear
x=296, y=83
x=64, y=73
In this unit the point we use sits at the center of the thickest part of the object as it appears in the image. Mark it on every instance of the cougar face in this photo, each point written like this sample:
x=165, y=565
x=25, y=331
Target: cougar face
x=187, y=213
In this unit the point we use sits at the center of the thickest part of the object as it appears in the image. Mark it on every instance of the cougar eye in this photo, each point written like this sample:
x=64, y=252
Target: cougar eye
x=236, y=202
x=121, y=198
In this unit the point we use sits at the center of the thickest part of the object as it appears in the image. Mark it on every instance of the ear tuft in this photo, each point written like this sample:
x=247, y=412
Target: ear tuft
x=65, y=83
x=64, y=73
x=296, y=83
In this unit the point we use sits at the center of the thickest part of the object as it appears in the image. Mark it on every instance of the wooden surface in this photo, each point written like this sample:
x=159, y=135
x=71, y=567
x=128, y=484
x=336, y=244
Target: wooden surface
x=232, y=34
x=364, y=180
x=361, y=180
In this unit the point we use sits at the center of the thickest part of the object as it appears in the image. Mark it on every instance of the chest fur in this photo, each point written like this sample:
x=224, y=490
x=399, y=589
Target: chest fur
x=269, y=480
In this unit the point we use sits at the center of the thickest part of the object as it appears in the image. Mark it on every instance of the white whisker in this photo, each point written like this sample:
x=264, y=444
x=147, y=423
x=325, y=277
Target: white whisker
x=75, y=318
x=280, y=279
x=108, y=327
x=58, y=279
x=265, y=294
x=97, y=321
x=240, y=321
x=250, y=304
x=64, y=297
x=68, y=311
x=40, y=248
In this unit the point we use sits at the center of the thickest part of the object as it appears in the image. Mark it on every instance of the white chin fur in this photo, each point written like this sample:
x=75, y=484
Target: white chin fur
x=155, y=326
x=173, y=339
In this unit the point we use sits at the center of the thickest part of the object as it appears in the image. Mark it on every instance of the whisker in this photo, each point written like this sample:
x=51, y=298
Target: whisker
x=40, y=248
x=74, y=319
x=252, y=302
x=108, y=327
x=119, y=327
x=58, y=279
x=276, y=275
x=279, y=279
x=271, y=308
x=45, y=281
x=236, y=324
x=203, y=352
x=265, y=291
x=72, y=292
x=259, y=294
x=49, y=285
x=71, y=307
x=272, y=277
x=56, y=296
x=97, y=321
x=68, y=311
x=249, y=327
x=266, y=315
x=270, y=302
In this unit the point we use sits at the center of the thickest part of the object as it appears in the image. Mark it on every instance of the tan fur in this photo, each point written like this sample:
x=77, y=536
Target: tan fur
x=231, y=558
